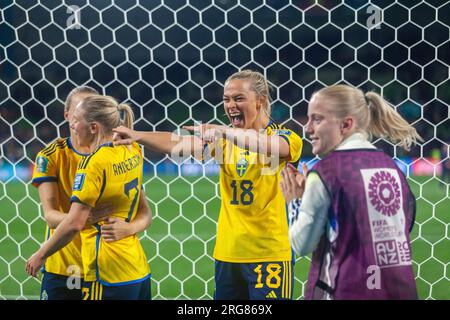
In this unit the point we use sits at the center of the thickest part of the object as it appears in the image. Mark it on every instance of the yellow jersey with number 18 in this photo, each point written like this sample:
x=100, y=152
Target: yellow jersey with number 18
x=57, y=163
x=112, y=177
x=253, y=224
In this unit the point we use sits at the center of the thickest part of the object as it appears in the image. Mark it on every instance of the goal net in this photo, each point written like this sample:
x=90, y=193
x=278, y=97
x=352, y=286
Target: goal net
x=169, y=59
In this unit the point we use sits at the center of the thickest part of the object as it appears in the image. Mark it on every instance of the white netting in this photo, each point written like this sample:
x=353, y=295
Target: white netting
x=169, y=60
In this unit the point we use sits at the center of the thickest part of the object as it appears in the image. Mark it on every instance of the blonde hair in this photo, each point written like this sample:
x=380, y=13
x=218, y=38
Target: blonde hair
x=107, y=111
x=79, y=90
x=259, y=85
x=373, y=115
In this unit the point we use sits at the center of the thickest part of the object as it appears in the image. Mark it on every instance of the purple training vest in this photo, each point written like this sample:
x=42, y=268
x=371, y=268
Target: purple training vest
x=368, y=254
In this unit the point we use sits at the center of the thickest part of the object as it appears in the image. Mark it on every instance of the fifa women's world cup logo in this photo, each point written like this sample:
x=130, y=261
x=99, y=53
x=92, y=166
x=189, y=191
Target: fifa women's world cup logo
x=384, y=193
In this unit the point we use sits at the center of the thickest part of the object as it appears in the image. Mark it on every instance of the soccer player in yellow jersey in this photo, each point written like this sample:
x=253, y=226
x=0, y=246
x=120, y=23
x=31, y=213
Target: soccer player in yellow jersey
x=253, y=256
x=53, y=175
x=108, y=177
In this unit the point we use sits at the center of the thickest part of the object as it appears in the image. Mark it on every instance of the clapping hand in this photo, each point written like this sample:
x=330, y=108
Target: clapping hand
x=293, y=182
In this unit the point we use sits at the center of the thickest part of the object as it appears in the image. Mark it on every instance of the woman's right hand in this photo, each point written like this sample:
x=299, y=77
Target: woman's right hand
x=293, y=182
x=99, y=213
x=34, y=264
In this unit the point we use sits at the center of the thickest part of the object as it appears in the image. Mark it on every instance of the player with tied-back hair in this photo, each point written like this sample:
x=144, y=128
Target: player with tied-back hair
x=108, y=177
x=252, y=252
x=53, y=175
x=354, y=210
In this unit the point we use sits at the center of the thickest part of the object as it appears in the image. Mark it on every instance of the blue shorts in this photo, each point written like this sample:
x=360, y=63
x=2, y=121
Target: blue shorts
x=254, y=281
x=94, y=290
x=54, y=287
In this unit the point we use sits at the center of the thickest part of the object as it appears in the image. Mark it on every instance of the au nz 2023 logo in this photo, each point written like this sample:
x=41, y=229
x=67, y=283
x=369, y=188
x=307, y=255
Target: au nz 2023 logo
x=384, y=193
x=41, y=164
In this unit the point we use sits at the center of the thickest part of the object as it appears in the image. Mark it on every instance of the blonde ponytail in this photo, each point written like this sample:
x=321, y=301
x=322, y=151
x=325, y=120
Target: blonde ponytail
x=373, y=115
x=106, y=111
x=128, y=116
x=385, y=121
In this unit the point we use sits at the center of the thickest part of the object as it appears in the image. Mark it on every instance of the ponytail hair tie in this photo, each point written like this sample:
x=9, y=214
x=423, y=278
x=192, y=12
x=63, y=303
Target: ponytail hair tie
x=121, y=112
x=367, y=100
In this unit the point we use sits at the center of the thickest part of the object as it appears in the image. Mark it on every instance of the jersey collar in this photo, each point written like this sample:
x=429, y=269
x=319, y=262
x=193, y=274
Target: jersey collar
x=106, y=144
x=270, y=122
x=70, y=145
x=355, y=141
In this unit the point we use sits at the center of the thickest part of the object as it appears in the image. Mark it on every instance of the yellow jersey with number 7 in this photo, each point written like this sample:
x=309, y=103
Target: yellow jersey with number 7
x=112, y=177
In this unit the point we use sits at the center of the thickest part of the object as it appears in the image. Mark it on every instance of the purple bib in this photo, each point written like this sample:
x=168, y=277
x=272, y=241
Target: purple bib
x=368, y=253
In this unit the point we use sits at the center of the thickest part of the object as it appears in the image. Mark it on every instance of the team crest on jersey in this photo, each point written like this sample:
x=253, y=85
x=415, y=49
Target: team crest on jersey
x=78, y=181
x=41, y=164
x=241, y=167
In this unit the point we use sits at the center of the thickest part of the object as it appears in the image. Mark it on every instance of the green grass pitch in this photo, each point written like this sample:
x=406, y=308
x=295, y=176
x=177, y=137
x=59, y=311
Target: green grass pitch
x=180, y=241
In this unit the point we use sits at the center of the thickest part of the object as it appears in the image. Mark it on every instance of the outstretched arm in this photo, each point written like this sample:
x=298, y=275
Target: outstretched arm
x=249, y=139
x=115, y=229
x=64, y=233
x=161, y=141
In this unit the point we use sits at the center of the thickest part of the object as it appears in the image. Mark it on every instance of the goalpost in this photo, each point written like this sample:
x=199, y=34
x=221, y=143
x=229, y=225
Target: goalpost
x=169, y=59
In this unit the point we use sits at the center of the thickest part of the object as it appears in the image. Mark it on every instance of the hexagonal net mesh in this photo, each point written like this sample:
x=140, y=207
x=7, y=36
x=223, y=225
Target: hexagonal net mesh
x=169, y=59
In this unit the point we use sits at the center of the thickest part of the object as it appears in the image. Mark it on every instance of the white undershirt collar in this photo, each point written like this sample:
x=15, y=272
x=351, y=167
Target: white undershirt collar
x=355, y=141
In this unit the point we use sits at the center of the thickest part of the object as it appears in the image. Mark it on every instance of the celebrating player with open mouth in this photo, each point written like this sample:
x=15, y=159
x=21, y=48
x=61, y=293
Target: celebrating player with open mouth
x=253, y=255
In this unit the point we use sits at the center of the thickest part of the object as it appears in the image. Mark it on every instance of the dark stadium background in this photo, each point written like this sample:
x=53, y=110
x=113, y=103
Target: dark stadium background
x=125, y=56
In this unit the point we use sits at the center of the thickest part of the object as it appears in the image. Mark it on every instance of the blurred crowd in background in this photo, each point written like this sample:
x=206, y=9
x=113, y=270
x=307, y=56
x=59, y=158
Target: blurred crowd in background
x=169, y=61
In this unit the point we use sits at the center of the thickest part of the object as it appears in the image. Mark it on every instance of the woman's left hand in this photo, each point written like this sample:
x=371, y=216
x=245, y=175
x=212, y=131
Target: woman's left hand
x=207, y=132
x=115, y=229
x=293, y=182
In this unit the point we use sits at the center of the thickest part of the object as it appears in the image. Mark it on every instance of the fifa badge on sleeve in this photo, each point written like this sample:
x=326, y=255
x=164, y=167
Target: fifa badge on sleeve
x=41, y=164
x=78, y=181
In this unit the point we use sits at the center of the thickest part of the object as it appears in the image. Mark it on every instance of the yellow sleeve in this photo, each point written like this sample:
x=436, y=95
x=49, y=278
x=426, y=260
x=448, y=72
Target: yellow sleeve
x=45, y=168
x=294, y=141
x=88, y=182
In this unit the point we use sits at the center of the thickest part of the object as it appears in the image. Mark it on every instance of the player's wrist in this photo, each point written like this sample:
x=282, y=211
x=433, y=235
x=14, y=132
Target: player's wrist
x=41, y=254
x=132, y=228
x=137, y=136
